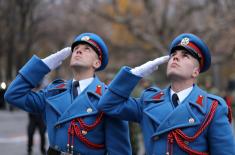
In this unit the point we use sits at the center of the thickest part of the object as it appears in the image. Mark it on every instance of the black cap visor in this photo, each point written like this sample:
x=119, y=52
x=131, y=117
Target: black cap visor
x=85, y=42
x=188, y=49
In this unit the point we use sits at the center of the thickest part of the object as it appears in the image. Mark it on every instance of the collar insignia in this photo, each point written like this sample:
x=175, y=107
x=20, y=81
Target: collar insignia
x=199, y=100
x=98, y=90
x=158, y=96
x=61, y=86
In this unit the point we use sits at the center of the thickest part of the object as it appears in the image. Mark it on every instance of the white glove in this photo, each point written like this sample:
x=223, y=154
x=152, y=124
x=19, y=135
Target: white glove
x=55, y=60
x=150, y=66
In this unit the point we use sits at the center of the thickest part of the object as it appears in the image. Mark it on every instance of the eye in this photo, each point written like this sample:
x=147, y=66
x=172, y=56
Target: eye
x=173, y=54
x=75, y=48
x=186, y=55
x=87, y=48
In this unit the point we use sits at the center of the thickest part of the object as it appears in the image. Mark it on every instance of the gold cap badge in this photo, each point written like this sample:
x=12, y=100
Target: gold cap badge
x=85, y=38
x=184, y=41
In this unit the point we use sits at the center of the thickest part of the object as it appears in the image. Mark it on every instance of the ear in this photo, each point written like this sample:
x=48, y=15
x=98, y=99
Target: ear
x=96, y=64
x=196, y=72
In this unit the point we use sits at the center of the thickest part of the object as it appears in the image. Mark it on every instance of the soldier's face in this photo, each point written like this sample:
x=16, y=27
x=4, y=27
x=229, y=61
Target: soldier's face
x=182, y=66
x=84, y=56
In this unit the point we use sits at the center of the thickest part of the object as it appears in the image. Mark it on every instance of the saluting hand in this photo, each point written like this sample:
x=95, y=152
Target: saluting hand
x=56, y=59
x=149, y=67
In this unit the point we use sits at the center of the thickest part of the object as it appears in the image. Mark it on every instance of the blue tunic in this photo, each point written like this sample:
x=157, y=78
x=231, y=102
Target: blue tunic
x=157, y=116
x=58, y=107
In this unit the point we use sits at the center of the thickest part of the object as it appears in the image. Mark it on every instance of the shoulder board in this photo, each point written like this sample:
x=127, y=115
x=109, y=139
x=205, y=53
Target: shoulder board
x=223, y=103
x=217, y=98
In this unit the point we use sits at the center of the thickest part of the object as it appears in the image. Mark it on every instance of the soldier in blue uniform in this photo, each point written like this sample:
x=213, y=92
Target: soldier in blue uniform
x=182, y=118
x=69, y=108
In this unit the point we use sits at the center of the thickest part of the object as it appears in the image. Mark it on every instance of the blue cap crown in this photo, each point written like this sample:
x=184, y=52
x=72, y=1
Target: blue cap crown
x=97, y=43
x=195, y=46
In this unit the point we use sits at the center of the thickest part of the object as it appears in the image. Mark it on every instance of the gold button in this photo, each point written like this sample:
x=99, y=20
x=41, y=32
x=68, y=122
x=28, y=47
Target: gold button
x=89, y=110
x=191, y=120
x=186, y=142
x=84, y=132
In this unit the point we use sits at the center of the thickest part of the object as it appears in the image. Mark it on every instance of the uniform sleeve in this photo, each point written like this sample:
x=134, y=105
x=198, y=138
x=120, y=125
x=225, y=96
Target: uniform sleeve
x=221, y=138
x=116, y=100
x=20, y=93
x=117, y=139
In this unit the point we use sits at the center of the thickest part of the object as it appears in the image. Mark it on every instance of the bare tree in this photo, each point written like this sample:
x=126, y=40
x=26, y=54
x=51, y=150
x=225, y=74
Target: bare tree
x=135, y=31
x=17, y=33
x=154, y=23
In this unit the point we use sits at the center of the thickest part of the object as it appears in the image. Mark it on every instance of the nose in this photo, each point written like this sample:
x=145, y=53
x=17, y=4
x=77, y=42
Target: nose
x=175, y=57
x=78, y=50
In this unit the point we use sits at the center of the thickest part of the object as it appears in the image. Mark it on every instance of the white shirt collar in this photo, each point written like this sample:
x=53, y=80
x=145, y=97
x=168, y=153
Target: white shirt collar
x=182, y=94
x=83, y=84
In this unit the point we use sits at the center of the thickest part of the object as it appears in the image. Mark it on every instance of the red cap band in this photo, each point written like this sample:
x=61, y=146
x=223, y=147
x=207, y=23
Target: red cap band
x=198, y=51
x=97, y=47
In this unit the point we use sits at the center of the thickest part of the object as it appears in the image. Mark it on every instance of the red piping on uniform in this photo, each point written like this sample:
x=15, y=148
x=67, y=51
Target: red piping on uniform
x=228, y=100
x=75, y=130
x=180, y=137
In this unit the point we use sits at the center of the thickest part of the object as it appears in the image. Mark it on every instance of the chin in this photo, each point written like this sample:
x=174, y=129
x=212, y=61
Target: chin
x=172, y=75
x=74, y=64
